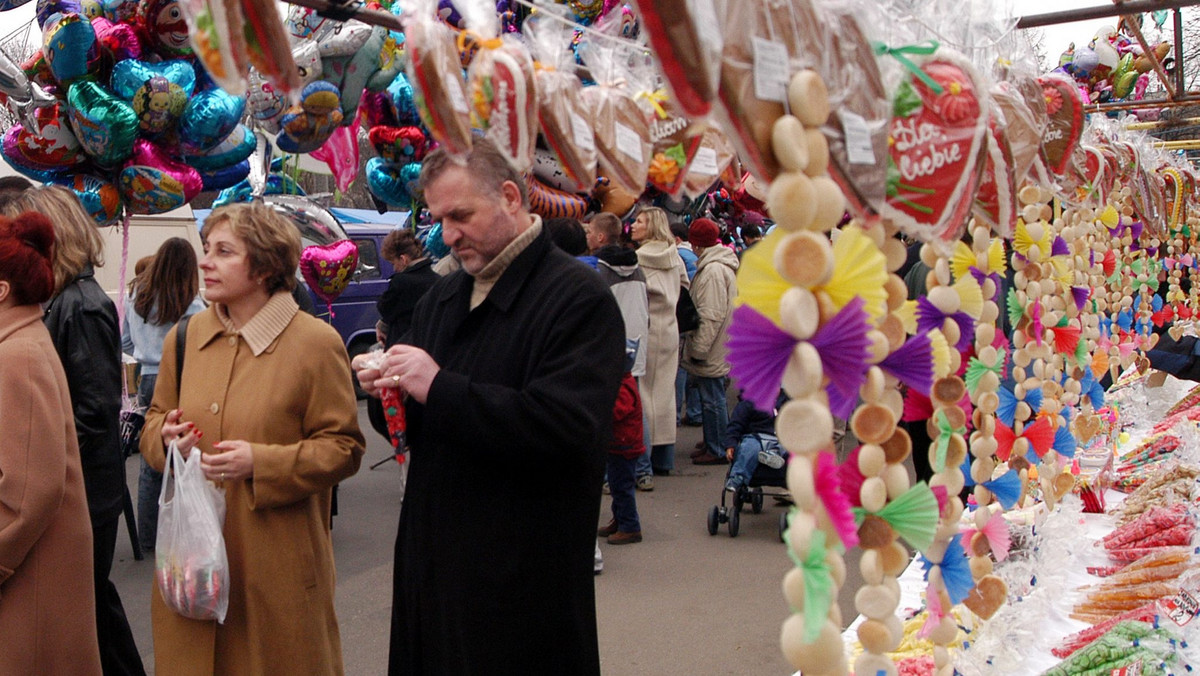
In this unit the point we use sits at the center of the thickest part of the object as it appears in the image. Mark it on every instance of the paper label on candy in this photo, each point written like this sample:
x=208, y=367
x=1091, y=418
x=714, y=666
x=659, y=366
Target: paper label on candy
x=1133, y=669
x=770, y=70
x=629, y=142
x=582, y=133
x=705, y=162
x=454, y=90
x=858, y=138
x=1182, y=608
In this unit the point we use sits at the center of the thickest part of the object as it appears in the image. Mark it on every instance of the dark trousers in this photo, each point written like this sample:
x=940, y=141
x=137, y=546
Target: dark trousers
x=118, y=652
x=624, y=496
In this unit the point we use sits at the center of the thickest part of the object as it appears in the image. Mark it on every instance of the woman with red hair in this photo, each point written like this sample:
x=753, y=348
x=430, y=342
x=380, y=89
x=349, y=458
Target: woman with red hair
x=47, y=602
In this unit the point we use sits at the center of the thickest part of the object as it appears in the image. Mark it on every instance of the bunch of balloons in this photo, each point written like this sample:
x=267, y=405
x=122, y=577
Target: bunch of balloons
x=1111, y=67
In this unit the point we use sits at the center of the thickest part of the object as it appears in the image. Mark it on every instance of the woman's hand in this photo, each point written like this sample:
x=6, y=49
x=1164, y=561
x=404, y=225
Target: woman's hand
x=366, y=369
x=183, y=433
x=235, y=462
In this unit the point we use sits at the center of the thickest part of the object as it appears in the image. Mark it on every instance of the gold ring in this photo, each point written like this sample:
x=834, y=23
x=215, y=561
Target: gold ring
x=395, y=379
x=222, y=476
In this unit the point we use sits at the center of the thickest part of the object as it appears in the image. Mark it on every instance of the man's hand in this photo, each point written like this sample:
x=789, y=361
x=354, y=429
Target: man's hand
x=367, y=373
x=729, y=453
x=409, y=368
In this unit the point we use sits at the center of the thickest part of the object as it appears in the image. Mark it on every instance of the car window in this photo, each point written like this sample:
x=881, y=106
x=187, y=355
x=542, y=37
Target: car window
x=368, y=259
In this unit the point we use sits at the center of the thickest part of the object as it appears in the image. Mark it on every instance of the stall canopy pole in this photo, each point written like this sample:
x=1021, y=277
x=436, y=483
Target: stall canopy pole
x=1101, y=12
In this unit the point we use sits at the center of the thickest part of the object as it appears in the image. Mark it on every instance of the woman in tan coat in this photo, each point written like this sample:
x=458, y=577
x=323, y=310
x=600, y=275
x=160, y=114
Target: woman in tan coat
x=47, y=599
x=267, y=398
x=665, y=275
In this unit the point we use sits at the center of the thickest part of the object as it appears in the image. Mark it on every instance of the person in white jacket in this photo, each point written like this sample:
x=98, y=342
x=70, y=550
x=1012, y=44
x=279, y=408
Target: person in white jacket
x=713, y=289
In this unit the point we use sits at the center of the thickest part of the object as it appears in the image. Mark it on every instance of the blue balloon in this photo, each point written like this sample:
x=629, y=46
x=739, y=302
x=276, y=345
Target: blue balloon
x=277, y=184
x=392, y=182
x=402, y=98
x=48, y=8
x=1085, y=61
x=130, y=75
x=69, y=45
x=225, y=177
x=434, y=244
x=99, y=196
x=210, y=117
x=236, y=147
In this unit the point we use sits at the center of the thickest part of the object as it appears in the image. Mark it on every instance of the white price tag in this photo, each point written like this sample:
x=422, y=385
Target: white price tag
x=629, y=142
x=770, y=70
x=705, y=162
x=1182, y=608
x=858, y=138
x=582, y=132
x=454, y=89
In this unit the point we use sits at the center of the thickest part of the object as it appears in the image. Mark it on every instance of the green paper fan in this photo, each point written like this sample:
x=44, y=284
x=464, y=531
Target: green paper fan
x=818, y=588
x=914, y=515
x=1015, y=309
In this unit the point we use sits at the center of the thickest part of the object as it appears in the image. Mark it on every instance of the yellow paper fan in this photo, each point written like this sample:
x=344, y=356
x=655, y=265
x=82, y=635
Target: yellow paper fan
x=996, y=258
x=1110, y=217
x=970, y=296
x=907, y=314
x=1022, y=242
x=859, y=269
x=1062, y=270
x=759, y=285
x=962, y=261
x=941, y=354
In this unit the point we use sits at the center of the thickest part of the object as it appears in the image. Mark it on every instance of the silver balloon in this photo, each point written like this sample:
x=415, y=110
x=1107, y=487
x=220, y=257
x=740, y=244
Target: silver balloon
x=315, y=222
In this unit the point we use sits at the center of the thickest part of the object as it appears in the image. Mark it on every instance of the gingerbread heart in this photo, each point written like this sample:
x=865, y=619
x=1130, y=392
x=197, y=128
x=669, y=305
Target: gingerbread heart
x=939, y=122
x=503, y=96
x=1065, y=108
x=988, y=596
x=995, y=202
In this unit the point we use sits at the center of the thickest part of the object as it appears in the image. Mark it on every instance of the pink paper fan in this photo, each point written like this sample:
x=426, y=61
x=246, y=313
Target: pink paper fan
x=758, y=355
x=845, y=352
x=850, y=480
x=916, y=407
x=942, y=495
x=933, y=610
x=837, y=505
x=912, y=363
x=996, y=532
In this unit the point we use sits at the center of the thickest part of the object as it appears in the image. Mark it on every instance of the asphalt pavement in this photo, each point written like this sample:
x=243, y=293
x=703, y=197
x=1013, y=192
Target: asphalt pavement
x=680, y=602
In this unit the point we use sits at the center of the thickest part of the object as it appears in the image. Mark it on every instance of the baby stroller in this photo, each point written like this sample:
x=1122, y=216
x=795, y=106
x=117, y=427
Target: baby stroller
x=752, y=493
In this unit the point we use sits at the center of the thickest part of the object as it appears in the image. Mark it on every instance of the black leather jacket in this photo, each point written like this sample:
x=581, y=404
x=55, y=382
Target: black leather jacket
x=82, y=321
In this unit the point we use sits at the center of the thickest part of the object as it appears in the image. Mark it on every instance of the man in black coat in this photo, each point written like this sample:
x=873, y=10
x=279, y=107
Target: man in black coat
x=511, y=371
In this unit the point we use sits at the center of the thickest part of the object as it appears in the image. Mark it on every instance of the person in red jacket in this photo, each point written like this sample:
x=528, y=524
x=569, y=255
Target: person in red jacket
x=627, y=445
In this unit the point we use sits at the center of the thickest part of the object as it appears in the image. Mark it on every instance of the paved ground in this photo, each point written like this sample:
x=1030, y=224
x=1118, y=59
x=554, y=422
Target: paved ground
x=681, y=602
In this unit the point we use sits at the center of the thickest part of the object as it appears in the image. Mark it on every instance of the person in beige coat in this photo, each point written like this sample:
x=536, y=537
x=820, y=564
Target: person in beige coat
x=267, y=398
x=665, y=276
x=47, y=597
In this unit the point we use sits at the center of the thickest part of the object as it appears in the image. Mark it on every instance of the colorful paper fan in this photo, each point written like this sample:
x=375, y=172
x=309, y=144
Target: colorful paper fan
x=956, y=570
x=912, y=363
x=976, y=369
x=929, y=317
x=1110, y=217
x=1006, y=412
x=818, y=587
x=1066, y=339
x=940, y=348
x=1023, y=242
x=758, y=355
x=917, y=407
x=1109, y=263
x=933, y=617
x=907, y=314
x=1062, y=270
x=913, y=515
x=837, y=505
x=942, y=496
x=1065, y=442
x=1099, y=364
x=859, y=270
x=1006, y=488
x=759, y=285
x=1059, y=247
x=1080, y=295
x=962, y=261
x=996, y=532
x=1092, y=389
x=1005, y=437
x=970, y=296
x=1040, y=436
x=997, y=264
x=845, y=353
x=1016, y=311
x=850, y=479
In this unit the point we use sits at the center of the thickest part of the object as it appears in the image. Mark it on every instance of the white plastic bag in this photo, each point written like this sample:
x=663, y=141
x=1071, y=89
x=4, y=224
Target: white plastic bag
x=190, y=565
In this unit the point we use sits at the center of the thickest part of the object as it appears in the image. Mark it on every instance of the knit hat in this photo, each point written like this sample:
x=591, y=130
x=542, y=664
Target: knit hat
x=704, y=233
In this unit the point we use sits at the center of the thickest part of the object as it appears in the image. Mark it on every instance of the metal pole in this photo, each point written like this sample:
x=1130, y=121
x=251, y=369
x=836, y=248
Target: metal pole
x=1188, y=100
x=351, y=10
x=1179, y=84
x=1132, y=26
x=1101, y=12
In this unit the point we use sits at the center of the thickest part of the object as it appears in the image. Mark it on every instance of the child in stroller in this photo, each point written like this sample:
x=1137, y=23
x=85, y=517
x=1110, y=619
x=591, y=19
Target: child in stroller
x=755, y=460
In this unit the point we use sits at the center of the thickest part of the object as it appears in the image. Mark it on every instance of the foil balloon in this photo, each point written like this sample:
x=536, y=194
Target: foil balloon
x=375, y=109
x=6, y=5
x=225, y=177
x=316, y=223
x=340, y=153
x=100, y=198
x=306, y=127
x=69, y=45
x=399, y=144
x=434, y=244
x=550, y=203
x=236, y=147
x=308, y=61
x=152, y=183
x=14, y=83
x=392, y=182
x=548, y=170
x=449, y=13
x=121, y=11
x=91, y=9
x=277, y=184
x=405, y=106
x=130, y=75
x=208, y=119
x=328, y=268
x=158, y=103
x=105, y=125
x=266, y=104
x=118, y=40
x=346, y=39
x=52, y=147
x=166, y=31
x=48, y=8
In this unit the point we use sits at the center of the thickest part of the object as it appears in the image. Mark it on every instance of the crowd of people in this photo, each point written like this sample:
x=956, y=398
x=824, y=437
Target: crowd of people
x=558, y=342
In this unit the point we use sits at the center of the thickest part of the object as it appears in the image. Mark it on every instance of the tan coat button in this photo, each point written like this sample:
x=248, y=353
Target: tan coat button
x=214, y=408
x=233, y=340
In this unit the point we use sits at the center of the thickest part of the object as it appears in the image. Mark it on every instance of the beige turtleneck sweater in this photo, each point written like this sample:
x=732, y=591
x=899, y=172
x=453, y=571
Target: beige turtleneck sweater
x=486, y=279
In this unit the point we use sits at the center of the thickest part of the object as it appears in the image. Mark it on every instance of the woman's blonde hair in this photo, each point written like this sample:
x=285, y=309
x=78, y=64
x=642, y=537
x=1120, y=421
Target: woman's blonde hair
x=77, y=237
x=657, y=226
x=272, y=242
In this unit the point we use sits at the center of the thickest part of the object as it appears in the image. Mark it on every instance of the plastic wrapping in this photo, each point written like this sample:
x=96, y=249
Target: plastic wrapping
x=686, y=37
x=621, y=126
x=675, y=139
x=713, y=157
x=435, y=72
x=565, y=121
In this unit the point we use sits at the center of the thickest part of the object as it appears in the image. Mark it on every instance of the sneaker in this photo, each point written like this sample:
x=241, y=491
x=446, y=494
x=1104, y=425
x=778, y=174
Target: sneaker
x=772, y=460
x=707, y=458
x=607, y=529
x=733, y=485
x=645, y=483
x=605, y=489
x=623, y=538
x=697, y=452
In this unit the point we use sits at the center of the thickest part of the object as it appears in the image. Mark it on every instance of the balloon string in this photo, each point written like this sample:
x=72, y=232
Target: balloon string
x=121, y=291
x=330, y=306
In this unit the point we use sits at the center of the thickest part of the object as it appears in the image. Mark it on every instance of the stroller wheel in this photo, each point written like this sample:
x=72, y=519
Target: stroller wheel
x=714, y=516
x=756, y=500
x=739, y=498
x=735, y=521
x=783, y=524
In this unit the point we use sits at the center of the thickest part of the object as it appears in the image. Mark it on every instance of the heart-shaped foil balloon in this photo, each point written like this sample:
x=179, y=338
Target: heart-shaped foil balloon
x=308, y=126
x=225, y=177
x=100, y=198
x=54, y=147
x=105, y=125
x=1065, y=110
x=209, y=118
x=403, y=103
x=130, y=75
x=69, y=44
x=153, y=183
x=392, y=182
x=45, y=9
x=266, y=104
x=938, y=128
x=118, y=40
x=399, y=144
x=158, y=104
x=328, y=268
x=236, y=147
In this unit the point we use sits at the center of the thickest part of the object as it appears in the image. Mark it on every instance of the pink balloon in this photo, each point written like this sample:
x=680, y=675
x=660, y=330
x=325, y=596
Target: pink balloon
x=327, y=268
x=340, y=152
x=152, y=183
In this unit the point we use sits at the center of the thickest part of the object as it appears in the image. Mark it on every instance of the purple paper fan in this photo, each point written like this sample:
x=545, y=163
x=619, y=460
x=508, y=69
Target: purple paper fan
x=1080, y=295
x=845, y=352
x=1059, y=247
x=929, y=317
x=912, y=363
x=758, y=354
